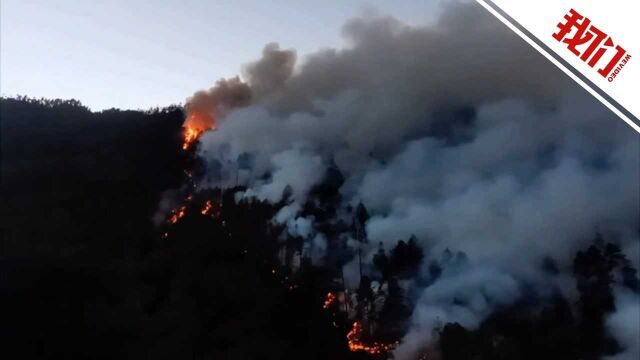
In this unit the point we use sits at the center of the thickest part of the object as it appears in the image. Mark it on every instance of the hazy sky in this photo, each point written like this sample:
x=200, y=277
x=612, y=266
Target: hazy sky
x=142, y=53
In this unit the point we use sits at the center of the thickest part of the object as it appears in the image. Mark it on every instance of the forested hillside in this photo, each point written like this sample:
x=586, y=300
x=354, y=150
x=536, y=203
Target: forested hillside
x=91, y=267
x=85, y=271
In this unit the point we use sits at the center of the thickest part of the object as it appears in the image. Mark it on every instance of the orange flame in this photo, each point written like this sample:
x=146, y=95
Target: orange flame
x=212, y=208
x=207, y=208
x=329, y=300
x=177, y=214
x=355, y=344
x=191, y=135
x=195, y=125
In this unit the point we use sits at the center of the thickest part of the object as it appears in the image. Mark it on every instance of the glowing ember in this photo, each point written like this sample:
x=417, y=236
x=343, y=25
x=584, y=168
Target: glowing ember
x=329, y=300
x=213, y=209
x=355, y=344
x=207, y=208
x=177, y=214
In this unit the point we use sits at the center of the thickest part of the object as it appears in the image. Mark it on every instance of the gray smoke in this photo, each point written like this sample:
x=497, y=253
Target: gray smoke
x=623, y=325
x=456, y=132
x=225, y=95
x=270, y=73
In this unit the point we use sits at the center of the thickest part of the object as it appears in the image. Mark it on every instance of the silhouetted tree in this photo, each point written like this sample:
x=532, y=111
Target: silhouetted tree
x=405, y=258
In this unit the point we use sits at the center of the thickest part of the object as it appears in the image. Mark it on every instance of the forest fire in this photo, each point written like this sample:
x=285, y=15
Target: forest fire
x=191, y=135
x=212, y=208
x=329, y=300
x=207, y=208
x=354, y=336
x=355, y=344
x=177, y=214
x=196, y=124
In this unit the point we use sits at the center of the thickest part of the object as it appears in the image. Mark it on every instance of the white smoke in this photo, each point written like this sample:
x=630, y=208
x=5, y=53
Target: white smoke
x=623, y=325
x=477, y=290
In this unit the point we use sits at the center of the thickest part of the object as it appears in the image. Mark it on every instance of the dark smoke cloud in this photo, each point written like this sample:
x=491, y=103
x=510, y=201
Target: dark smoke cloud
x=458, y=133
x=264, y=77
x=204, y=108
x=270, y=72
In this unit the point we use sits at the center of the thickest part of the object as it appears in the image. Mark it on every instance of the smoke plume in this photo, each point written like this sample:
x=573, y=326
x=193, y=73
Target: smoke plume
x=204, y=107
x=456, y=132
